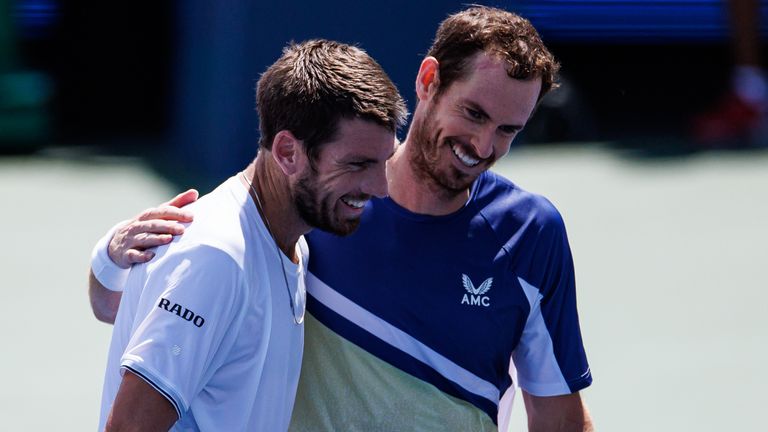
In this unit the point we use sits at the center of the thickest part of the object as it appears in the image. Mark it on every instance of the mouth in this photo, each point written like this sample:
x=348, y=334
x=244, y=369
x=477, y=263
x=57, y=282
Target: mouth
x=355, y=203
x=463, y=156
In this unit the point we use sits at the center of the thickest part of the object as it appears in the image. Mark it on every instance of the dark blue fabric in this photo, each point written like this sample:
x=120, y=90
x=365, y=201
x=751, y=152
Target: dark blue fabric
x=394, y=356
x=408, y=269
x=622, y=21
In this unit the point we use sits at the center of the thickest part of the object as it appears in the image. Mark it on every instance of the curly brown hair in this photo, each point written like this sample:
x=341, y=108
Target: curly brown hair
x=504, y=35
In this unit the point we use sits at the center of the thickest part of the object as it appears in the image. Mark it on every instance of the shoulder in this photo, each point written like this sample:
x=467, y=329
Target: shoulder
x=508, y=207
x=221, y=225
x=196, y=263
x=201, y=278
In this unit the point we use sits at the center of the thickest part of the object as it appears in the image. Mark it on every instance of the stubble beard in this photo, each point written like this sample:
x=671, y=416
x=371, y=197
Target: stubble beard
x=425, y=161
x=316, y=208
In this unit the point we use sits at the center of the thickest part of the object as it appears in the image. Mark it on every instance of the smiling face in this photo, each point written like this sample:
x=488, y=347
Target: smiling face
x=462, y=131
x=350, y=170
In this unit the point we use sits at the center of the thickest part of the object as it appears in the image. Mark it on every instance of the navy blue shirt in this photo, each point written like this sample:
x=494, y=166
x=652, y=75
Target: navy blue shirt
x=460, y=302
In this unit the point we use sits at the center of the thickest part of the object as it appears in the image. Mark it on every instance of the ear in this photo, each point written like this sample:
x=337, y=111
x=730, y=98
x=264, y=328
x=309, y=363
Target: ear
x=428, y=79
x=287, y=152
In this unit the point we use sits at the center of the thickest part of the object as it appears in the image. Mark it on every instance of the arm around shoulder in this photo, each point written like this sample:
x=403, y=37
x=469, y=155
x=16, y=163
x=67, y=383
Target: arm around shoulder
x=127, y=243
x=104, y=272
x=566, y=413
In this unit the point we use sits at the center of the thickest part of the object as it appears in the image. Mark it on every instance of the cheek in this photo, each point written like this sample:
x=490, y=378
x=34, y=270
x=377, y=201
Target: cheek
x=340, y=184
x=461, y=126
x=502, y=147
x=328, y=179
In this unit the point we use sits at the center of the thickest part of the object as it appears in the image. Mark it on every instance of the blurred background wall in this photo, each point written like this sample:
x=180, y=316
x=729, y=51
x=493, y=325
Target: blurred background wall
x=177, y=78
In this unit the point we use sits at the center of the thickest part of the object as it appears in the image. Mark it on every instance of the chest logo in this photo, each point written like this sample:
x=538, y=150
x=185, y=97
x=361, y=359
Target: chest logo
x=475, y=296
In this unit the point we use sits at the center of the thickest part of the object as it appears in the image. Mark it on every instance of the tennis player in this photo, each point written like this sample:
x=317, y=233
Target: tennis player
x=209, y=335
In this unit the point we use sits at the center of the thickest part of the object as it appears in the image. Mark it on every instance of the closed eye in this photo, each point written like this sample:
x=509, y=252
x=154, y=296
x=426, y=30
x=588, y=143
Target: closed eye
x=475, y=114
x=359, y=165
x=509, y=130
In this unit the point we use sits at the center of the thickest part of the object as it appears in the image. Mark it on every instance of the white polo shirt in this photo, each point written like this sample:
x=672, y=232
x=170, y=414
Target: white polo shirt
x=208, y=321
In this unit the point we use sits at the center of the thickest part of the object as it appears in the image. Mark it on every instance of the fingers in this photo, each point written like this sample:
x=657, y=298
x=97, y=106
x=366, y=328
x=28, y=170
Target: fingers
x=182, y=199
x=148, y=234
x=128, y=245
x=134, y=256
x=151, y=228
x=146, y=241
x=172, y=210
x=155, y=226
x=166, y=213
x=135, y=249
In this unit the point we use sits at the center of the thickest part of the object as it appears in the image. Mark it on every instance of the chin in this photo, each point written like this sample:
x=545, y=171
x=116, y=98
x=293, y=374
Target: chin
x=343, y=228
x=455, y=181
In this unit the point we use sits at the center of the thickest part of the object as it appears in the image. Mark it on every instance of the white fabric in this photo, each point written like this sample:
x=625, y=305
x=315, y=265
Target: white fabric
x=104, y=269
x=228, y=356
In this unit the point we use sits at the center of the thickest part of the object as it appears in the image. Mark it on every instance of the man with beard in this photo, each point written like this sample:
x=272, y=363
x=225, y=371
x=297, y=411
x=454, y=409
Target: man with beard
x=209, y=335
x=459, y=285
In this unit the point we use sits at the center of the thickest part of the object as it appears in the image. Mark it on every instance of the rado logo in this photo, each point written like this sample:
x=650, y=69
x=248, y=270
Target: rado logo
x=184, y=313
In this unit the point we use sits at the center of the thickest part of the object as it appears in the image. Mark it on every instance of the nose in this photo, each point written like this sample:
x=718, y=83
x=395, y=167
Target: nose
x=376, y=183
x=483, y=143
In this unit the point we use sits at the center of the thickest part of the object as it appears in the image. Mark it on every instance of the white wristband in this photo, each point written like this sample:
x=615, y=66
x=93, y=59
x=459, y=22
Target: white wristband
x=108, y=273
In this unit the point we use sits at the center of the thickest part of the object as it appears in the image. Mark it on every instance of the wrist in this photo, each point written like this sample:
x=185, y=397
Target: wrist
x=106, y=271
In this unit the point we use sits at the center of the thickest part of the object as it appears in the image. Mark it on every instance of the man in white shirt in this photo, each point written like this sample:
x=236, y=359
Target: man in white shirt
x=209, y=335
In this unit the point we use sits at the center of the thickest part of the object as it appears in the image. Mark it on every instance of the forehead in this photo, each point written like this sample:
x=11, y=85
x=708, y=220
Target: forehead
x=358, y=138
x=507, y=100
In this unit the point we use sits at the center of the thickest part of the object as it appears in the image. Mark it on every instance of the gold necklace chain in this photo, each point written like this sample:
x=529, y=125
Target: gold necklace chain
x=297, y=320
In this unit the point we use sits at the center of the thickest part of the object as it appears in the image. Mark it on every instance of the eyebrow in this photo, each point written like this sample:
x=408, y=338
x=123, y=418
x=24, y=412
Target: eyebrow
x=481, y=111
x=364, y=159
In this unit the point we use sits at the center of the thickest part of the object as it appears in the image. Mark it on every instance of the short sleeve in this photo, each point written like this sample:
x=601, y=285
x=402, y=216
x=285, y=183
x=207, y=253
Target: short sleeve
x=550, y=358
x=187, y=316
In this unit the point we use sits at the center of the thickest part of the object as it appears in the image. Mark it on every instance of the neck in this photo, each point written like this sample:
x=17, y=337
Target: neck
x=415, y=193
x=271, y=194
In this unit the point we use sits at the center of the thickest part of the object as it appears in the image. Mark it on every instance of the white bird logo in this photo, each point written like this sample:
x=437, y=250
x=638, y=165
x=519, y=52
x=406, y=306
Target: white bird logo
x=470, y=287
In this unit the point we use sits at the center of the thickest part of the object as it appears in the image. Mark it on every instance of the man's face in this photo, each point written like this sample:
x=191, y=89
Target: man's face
x=349, y=171
x=464, y=130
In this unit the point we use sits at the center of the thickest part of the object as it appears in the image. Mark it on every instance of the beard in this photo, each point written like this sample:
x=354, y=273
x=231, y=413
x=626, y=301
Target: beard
x=316, y=207
x=448, y=182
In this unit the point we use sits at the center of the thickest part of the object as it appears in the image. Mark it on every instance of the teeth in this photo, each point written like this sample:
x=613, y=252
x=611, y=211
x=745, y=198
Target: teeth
x=354, y=203
x=463, y=157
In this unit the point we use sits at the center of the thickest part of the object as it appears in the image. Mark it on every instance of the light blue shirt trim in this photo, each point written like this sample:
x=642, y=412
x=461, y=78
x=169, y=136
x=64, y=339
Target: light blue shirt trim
x=400, y=340
x=537, y=369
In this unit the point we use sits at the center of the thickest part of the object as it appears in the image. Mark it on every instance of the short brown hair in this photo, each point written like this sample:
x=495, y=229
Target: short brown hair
x=316, y=83
x=498, y=33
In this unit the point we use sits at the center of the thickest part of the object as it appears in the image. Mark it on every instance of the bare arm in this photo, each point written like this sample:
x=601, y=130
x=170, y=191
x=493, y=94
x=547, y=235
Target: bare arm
x=131, y=244
x=139, y=407
x=566, y=413
x=104, y=302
